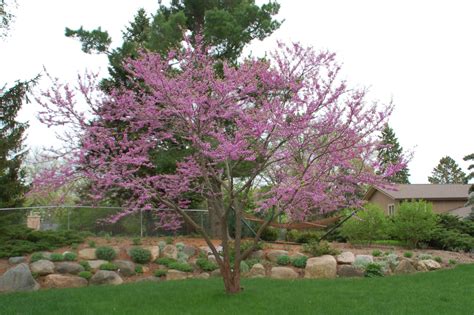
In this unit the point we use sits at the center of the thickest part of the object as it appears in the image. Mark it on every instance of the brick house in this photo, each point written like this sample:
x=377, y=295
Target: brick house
x=445, y=198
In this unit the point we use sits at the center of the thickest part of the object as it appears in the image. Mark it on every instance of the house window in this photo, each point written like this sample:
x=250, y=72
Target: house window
x=391, y=209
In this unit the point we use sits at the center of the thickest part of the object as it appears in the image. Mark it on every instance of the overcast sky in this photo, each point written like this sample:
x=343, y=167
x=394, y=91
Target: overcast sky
x=420, y=54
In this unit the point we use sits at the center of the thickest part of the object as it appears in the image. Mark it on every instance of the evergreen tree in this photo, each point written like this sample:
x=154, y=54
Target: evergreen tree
x=447, y=172
x=470, y=168
x=391, y=154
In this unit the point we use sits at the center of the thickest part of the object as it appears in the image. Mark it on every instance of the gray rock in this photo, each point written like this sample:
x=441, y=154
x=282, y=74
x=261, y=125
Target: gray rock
x=257, y=271
x=258, y=254
x=345, y=258
x=18, y=278
x=349, y=271
x=431, y=264
x=321, y=267
x=95, y=264
x=126, y=268
x=216, y=273
x=170, y=251
x=203, y=275
x=420, y=266
x=405, y=266
x=106, y=277
x=363, y=260
x=189, y=250
x=62, y=281
x=87, y=254
x=176, y=275
x=16, y=260
x=205, y=250
x=212, y=258
x=283, y=273
x=273, y=254
x=68, y=267
x=298, y=255
x=42, y=267
x=154, y=250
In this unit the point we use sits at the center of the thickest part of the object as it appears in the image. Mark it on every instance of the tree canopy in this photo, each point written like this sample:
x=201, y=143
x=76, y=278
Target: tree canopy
x=392, y=153
x=447, y=172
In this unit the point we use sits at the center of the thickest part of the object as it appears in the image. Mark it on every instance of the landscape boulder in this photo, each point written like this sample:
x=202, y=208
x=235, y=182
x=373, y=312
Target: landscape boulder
x=321, y=267
x=95, y=264
x=203, y=275
x=420, y=266
x=63, y=281
x=345, y=258
x=87, y=254
x=258, y=254
x=431, y=264
x=18, y=278
x=16, y=260
x=189, y=250
x=363, y=260
x=68, y=267
x=273, y=254
x=283, y=273
x=404, y=267
x=216, y=273
x=176, y=275
x=257, y=271
x=125, y=267
x=154, y=250
x=106, y=277
x=170, y=251
x=42, y=267
x=348, y=271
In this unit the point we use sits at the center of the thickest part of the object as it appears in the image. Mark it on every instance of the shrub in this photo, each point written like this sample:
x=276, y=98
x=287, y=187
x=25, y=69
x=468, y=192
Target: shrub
x=91, y=244
x=160, y=273
x=181, y=266
x=408, y=254
x=169, y=240
x=244, y=268
x=137, y=241
x=140, y=255
x=269, y=234
x=182, y=257
x=70, y=256
x=452, y=240
x=179, y=246
x=206, y=264
x=165, y=261
x=414, y=222
x=438, y=259
x=369, y=225
x=252, y=261
x=36, y=257
x=161, y=245
x=138, y=269
x=56, y=257
x=74, y=246
x=452, y=262
x=108, y=266
x=373, y=270
x=299, y=262
x=319, y=249
x=85, y=265
x=85, y=274
x=105, y=253
x=283, y=260
x=391, y=259
x=425, y=257
x=376, y=253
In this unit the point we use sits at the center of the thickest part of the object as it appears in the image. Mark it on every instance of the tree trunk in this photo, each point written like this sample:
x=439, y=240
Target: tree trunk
x=215, y=227
x=231, y=279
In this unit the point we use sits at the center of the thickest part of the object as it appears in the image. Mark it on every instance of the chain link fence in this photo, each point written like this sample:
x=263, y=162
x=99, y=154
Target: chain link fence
x=80, y=218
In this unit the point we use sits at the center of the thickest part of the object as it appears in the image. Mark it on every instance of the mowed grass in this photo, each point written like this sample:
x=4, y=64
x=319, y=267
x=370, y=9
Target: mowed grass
x=440, y=292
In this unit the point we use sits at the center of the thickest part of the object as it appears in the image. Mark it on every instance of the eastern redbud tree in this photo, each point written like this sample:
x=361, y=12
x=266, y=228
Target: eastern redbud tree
x=289, y=121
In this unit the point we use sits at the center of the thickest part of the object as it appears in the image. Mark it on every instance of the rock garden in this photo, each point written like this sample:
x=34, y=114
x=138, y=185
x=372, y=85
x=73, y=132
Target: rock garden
x=119, y=260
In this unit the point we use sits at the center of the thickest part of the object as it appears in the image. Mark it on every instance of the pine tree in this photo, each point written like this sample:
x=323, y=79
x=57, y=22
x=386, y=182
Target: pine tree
x=390, y=154
x=470, y=168
x=447, y=172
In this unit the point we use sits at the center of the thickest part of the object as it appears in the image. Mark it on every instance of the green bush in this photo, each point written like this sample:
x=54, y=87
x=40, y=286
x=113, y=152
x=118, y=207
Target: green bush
x=452, y=262
x=283, y=260
x=180, y=246
x=269, y=234
x=299, y=262
x=370, y=224
x=408, y=254
x=105, y=253
x=108, y=266
x=70, y=256
x=451, y=239
x=414, y=222
x=425, y=257
x=56, y=257
x=376, y=253
x=137, y=241
x=85, y=265
x=244, y=268
x=91, y=244
x=160, y=273
x=74, y=246
x=169, y=240
x=165, y=261
x=85, y=274
x=36, y=257
x=319, y=248
x=139, y=269
x=373, y=270
x=252, y=261
x=140, y=255
x=206, y=264
x=181, y=266
x=302, y=237
x=438, y=259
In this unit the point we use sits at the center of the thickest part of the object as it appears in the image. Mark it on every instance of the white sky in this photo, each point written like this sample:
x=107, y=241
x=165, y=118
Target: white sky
x=418, y=53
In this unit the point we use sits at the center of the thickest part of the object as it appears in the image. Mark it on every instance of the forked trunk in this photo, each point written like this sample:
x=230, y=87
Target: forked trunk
x=231, y=280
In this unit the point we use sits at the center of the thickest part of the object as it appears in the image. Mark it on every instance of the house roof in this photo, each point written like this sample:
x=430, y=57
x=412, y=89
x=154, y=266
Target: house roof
x=424, y=191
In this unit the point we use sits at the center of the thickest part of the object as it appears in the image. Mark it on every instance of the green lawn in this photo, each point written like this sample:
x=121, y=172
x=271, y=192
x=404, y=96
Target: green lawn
x=441, y=292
